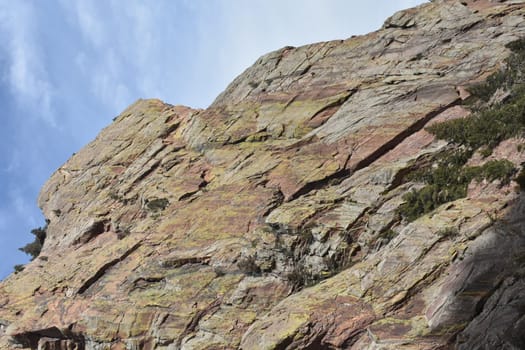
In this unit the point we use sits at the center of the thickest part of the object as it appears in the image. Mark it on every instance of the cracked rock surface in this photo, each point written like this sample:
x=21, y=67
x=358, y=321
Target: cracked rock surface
x=259, y=222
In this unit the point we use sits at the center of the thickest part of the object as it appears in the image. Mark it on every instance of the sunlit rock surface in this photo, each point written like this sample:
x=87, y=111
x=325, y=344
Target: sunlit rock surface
x=259, y=223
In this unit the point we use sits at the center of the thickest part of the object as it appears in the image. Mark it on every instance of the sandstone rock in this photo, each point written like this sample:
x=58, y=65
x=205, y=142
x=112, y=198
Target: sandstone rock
x=269, y=220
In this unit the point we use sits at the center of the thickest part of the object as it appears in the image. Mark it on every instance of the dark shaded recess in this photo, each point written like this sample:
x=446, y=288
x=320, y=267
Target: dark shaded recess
x=188, y=195
x=197, y=317
x=30, y=339
x=325, y=113
x=178, y=262
x=147, y=172
x=171, y=128
x=497, y=319
x=490, y=300
x=93, y=279
x=285, y=343
x=335, y=178
x=248, y=266
x=157, y=204
x=146, y=282
x=395, y=141
x=96, y=229
x=276, y=201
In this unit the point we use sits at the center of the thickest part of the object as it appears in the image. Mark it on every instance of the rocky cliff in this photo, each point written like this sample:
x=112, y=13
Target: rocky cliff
x=354, y=194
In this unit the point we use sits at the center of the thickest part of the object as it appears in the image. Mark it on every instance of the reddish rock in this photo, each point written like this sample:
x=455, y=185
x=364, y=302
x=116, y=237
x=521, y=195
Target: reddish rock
x=269, y=220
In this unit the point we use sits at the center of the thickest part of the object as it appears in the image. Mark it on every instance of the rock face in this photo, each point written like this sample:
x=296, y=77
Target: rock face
x=270, y=220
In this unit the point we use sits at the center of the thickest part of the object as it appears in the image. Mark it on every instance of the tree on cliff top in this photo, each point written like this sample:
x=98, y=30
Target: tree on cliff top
x=35, y=247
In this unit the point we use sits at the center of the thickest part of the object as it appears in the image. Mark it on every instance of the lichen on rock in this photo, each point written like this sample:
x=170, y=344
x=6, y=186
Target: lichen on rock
x=271, y=219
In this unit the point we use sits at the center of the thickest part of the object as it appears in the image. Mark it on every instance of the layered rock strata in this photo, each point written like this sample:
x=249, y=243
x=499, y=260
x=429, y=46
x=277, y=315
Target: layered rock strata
x=270, y=219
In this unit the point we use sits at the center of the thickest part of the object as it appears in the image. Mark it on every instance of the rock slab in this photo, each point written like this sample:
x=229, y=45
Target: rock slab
x=260, y=222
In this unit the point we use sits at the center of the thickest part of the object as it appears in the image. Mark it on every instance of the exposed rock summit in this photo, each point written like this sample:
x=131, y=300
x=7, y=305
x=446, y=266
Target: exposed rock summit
x=270, y=220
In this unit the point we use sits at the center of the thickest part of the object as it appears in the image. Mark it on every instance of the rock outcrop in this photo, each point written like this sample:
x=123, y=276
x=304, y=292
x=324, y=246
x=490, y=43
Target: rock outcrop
x=271, y=219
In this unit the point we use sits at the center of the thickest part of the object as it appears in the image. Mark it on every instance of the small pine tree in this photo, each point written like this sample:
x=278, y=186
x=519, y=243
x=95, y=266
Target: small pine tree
x=35, y=247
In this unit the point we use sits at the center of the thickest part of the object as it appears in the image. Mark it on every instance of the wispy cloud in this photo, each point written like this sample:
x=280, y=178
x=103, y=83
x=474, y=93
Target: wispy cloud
x=119, y=52
x=27, y=76
x=248, y=29
x=87, y=15
x=14, y=162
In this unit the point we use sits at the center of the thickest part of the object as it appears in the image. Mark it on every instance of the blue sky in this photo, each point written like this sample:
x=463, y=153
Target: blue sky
x=67, y=67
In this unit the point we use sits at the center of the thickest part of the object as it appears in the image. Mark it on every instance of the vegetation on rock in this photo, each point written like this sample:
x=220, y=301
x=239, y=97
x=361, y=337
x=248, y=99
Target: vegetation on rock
x=448, y=181
x=35, y=247
x=248, y=266
x=448, y=178
x=507, y=78
x=488, y=127
x=240, y=265
x=157, y=204
x=498, y=121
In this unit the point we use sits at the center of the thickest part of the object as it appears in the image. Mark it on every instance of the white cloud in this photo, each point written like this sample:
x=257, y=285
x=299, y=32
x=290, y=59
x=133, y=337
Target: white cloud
x=27, y=76
x=14, y=162
x=119, y=52
x=110, y=91
x=107, y=82
x=86, y=15
x=140, y=22
x=81, y=61
x=23, y=208
x=233, y=34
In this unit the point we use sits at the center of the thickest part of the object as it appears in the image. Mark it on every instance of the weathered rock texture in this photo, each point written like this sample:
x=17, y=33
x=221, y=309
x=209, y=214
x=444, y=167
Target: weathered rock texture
x=259, y=223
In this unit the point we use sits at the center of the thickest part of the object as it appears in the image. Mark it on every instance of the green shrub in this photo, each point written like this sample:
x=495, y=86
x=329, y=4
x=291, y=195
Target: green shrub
x=502, y=170
x=248, y=266
x=301, y=277
x=429, y=198
x=489, y=126
x=157, y=204
x=35, y=247
x=507, y=77
x=485, y=90
x=449, y=181
x=486, y=128
x=448, y=232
